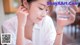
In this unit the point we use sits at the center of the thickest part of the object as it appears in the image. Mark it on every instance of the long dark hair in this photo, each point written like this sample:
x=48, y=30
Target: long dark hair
x=29, y=1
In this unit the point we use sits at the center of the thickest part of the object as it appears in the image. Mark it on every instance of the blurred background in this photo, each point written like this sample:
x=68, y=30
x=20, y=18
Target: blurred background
x=7, y=10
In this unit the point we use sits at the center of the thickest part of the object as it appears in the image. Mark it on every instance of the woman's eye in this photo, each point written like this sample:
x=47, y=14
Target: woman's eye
x=40, y=8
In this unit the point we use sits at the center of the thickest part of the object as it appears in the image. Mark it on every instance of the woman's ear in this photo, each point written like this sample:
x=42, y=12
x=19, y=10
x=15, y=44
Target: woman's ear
x=26, y=4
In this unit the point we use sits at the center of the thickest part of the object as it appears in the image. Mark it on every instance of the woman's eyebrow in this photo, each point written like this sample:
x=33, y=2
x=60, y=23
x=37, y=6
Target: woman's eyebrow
x=43, y=5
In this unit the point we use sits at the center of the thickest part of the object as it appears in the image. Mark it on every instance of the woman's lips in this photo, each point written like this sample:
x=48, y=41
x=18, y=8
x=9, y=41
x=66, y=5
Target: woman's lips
x=39, y=18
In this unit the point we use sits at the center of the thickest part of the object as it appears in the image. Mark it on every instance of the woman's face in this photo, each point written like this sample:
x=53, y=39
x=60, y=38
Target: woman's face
x=38, y=10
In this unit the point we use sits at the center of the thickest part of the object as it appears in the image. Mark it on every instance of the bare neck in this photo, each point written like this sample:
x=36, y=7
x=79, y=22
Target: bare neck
x=29, y=22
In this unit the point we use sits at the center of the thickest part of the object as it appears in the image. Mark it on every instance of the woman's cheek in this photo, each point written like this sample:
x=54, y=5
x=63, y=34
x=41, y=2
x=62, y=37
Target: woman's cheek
x=36, y=15
x=34, y=18
x=39, y=13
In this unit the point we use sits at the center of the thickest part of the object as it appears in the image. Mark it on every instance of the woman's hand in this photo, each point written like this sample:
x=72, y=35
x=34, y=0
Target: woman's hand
x=22, y=14
x=62, y=23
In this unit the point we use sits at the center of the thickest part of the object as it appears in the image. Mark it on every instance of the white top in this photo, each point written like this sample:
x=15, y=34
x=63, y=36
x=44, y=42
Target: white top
x=44, y=32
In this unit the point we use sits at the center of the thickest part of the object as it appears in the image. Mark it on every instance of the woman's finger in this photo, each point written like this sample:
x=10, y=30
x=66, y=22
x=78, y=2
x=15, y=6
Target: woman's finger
x=24, y=9
x=20, y=7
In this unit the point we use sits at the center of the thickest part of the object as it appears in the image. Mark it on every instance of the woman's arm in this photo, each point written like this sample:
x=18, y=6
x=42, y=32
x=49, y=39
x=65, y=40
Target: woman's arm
x=60, y=25
x=20, y=35
x=22, y=17
x=59, y=36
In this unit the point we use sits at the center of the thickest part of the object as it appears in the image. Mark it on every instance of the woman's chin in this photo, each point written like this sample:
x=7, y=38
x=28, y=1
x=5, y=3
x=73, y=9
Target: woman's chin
x=38, y=21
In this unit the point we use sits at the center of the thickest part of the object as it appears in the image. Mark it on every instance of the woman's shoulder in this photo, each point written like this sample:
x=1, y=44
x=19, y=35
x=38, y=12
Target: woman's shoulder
x=47, y=22
x=48, y=19
x=10, y=22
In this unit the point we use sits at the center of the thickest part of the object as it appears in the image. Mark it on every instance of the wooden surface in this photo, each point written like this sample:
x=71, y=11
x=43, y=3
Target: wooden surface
x=8, y=7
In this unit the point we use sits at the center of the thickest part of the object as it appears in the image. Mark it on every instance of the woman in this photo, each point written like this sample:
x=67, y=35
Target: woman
x=32, y=26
